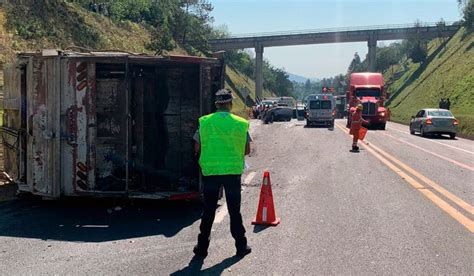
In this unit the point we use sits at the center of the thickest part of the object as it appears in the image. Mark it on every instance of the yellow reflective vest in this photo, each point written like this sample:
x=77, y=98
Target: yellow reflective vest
x=223, y=137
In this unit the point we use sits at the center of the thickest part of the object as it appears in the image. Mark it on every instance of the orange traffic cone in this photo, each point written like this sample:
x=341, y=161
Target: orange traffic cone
x=266, y=209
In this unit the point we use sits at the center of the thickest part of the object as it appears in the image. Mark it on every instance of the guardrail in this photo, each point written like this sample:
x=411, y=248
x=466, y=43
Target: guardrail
x=341, y=29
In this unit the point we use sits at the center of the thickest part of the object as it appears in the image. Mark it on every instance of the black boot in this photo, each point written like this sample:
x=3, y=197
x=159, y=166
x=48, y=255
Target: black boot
x=201, y=248
x=242, y=247
x=244, y=251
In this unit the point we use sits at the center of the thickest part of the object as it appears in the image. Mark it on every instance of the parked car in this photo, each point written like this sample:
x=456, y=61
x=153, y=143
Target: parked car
x=434, y=121
x=279, y=112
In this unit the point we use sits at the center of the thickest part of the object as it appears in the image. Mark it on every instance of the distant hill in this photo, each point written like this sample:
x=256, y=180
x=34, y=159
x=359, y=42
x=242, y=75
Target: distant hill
x=297, y=78
x=447, y=73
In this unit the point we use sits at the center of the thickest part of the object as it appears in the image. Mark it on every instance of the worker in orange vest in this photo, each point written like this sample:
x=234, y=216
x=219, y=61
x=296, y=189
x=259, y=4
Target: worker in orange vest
x=356, y=124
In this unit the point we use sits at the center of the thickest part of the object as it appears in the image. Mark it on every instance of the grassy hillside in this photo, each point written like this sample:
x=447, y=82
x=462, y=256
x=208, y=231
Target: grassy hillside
x=35, y=25
x=447, y=73
x=237, y=81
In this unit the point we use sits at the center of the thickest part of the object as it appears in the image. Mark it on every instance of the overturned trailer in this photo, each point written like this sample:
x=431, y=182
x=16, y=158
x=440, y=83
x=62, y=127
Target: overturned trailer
x=106, y=123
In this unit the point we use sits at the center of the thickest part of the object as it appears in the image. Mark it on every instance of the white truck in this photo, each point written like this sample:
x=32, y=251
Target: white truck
x=320, y=110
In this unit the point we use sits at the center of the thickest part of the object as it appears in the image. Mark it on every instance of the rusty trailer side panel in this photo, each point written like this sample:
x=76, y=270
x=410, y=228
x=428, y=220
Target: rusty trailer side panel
x=78, y=125
x=104, y=124
x=43, y=175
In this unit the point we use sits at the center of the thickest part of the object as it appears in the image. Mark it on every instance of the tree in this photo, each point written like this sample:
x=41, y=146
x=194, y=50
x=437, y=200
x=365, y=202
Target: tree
x=161, y=15
x=418, y=53
x=219, y=32
x=356, y=65
x=133, y=10
x=388, y=56
x=417, y=47
x=307, y=85
x=193, y=24
x=468, y=15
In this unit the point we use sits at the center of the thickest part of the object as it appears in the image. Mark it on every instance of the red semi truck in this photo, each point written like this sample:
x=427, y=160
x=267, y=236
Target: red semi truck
x=368, y=89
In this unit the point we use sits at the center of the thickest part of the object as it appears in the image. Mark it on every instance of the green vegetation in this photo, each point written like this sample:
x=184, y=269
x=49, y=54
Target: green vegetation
x=142, y=26
x=302, y=90
x=171, y=22
x=467, y=7
x=448, y=72
x=237, y=81
x=274, y=79
x=59, y=24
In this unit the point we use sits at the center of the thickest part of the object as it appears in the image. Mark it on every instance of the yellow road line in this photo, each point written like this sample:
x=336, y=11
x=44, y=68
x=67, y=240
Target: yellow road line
x=443, y=205
x=461, y=203
x=462, y=165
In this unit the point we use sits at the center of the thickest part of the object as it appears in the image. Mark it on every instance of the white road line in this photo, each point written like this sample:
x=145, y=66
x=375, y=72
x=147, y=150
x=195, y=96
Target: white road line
x=436, y=142
x=249, y=178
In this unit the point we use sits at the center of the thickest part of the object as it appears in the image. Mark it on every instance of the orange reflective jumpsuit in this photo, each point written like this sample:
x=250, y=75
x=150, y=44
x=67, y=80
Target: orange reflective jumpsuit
x=356, y=124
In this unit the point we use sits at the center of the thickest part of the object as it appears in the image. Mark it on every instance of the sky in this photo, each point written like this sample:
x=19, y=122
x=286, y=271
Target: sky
x=323, y=60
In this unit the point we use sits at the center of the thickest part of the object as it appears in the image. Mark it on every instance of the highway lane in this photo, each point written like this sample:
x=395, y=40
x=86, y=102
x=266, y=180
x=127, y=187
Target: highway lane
x=452, y=167
x=341, y=213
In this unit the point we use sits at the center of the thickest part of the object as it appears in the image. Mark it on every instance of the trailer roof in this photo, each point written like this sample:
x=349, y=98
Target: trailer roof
x=140, y=57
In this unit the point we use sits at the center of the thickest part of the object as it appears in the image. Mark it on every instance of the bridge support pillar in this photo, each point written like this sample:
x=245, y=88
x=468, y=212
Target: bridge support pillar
x=259, y=71
x=372, y=44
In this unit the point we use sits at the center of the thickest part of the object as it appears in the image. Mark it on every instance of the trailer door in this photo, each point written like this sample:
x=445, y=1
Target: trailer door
x=14, y=123
x=43, y=96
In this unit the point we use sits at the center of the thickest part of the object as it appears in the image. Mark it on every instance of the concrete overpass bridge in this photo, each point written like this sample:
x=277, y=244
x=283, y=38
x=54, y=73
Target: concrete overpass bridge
x=371, y=34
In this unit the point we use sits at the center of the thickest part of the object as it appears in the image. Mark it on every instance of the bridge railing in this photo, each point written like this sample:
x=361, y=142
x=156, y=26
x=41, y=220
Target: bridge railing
x=341, y=29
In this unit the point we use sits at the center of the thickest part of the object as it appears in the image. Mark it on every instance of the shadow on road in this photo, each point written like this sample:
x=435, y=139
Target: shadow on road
x=196, y=263
x=320, y=126
x=7, y=191
x=259, y=228
x=436, y=137
x=94, y=220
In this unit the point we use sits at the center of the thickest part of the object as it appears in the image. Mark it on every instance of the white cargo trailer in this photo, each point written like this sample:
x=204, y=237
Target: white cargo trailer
x=106, y=123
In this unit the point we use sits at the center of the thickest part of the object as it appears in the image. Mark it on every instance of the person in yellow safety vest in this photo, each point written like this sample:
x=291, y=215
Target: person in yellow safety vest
x=222, y=141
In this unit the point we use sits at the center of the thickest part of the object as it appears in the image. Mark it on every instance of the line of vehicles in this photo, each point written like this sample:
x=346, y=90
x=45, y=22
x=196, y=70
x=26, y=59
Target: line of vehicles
x=322, y=109
x=365, y=88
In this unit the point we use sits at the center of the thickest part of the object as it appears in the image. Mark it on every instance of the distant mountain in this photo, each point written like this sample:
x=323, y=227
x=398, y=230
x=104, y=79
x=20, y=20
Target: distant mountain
x=297, y=78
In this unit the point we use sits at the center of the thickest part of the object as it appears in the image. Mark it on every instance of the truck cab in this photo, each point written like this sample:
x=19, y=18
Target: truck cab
x=368, y=89
x=320, y=110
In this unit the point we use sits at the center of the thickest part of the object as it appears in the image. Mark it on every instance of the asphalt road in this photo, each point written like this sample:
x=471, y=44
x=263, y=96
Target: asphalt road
x=403, y=205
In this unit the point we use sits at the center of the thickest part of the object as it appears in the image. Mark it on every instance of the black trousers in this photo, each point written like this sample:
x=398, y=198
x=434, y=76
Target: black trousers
x=232, y=187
